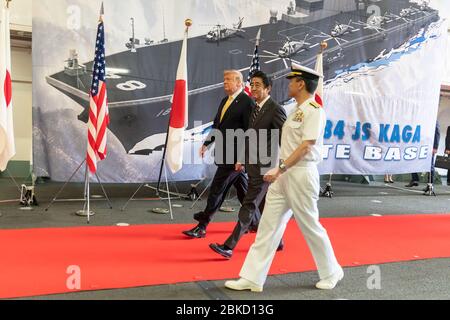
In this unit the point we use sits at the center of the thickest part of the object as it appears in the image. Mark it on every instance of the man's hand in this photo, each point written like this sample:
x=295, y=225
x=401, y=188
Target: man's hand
x=202, y=151
x=239, y=167
x=447, y=151
x=272, y=175
x=435, y=151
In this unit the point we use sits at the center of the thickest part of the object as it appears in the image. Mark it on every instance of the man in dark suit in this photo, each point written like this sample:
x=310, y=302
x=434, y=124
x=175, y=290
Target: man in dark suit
x=233, y=114
x=432, y=173
x=447, y=151
x=415, y=176
x=261, y=154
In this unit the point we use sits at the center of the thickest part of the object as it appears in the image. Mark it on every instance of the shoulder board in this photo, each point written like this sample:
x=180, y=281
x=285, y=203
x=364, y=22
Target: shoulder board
x=315, y=104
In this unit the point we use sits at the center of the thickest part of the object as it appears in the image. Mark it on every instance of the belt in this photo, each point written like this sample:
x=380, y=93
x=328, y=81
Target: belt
x=305, y=164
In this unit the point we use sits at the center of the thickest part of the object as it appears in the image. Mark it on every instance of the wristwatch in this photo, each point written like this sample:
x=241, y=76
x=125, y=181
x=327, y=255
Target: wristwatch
x=282, y=166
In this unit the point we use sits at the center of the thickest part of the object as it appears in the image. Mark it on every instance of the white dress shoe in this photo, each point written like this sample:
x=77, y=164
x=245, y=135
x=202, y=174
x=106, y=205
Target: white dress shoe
x=243, y=284
x=331, y=282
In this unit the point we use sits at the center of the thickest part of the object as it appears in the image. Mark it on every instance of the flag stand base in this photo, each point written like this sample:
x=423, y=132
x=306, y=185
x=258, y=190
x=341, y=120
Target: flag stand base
x=429, y=190
x=328, y=191
x=84, y=213
x=201, y=194
x=222, y=208
x=84, y=199
x=27, y=196
x=170, y=194
x=227, y=209
x=158, y=197
x=160, y=210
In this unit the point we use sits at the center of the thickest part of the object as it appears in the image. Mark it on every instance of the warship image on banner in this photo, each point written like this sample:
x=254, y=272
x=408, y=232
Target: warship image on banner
x=141, y=78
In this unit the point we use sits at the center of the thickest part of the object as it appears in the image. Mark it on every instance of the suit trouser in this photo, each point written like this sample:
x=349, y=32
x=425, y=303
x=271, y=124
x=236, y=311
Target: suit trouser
x=225, y=177
x=249, y=213
x=432, y=170
x=296, y=189
x=415, y=176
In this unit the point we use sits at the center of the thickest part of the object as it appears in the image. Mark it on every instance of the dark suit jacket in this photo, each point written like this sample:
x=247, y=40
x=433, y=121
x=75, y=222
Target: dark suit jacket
x=236, y=117
x=437, y=136
x=271, y=117
x=447, y=139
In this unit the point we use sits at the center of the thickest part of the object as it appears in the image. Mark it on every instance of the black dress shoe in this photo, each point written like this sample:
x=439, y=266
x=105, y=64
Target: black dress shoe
x=412, y=184
x=281, y=246
x=222, y=250
x=197, y=232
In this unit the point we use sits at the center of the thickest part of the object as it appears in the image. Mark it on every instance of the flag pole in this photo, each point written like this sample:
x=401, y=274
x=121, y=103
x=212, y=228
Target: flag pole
x=168, y=194
x=100, y=19
x=328, y=191
x=87, y=195
x=187, y=23
x=88, y=190
x=163, y=160
x=87, y=187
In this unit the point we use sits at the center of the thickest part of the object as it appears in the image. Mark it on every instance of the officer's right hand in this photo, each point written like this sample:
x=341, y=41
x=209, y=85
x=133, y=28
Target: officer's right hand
x=272, y=175
x=239, y=167
x=447, y=151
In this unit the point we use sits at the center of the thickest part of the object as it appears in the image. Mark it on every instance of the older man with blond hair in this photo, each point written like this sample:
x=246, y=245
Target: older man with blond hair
x=233, y=114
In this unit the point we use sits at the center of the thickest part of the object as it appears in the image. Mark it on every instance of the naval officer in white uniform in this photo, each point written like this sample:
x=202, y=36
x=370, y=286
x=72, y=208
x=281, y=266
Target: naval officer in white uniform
x=294, y=190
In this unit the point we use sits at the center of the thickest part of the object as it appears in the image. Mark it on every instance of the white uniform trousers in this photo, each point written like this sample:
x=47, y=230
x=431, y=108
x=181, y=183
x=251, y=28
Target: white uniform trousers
x=296, y=189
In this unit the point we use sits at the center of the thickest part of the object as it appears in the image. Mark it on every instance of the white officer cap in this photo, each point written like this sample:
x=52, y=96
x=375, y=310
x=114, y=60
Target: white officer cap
x=303, y=72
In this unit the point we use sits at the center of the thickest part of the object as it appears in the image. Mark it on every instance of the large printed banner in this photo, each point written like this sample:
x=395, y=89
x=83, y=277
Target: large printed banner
x=382, y=73
x=382, y=116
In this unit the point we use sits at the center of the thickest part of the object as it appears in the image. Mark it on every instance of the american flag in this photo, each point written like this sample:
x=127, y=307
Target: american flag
x=98, y=111
x=254, y=66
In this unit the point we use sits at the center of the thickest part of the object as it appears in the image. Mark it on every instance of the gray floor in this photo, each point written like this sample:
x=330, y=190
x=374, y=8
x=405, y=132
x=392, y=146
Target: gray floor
x=426, y=279
x=422, y=280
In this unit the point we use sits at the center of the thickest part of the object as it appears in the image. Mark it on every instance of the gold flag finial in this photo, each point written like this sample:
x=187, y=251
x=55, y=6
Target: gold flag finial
x=323, y=46
x=188, y=23
x=7, y=3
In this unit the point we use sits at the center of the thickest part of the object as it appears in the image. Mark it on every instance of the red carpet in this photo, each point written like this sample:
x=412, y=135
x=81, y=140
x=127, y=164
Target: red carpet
x=35, y=261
